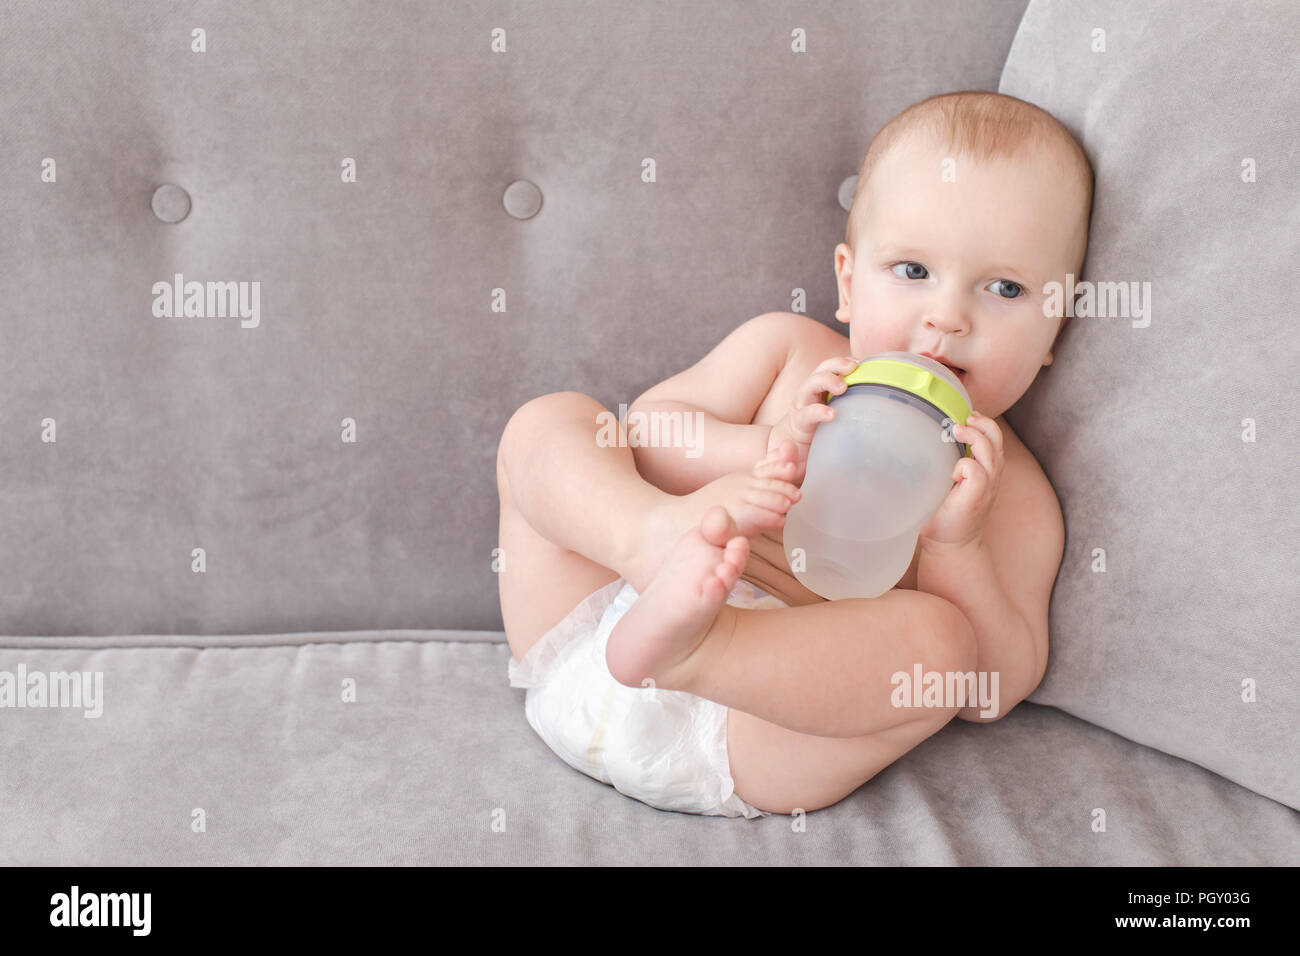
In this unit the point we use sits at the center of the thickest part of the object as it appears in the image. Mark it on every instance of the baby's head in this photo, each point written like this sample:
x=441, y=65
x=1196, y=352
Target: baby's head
x=967, y=205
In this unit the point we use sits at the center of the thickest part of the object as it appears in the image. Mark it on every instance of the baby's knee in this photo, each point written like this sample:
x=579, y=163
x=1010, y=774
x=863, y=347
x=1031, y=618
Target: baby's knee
x=552, y=403
x=533, y=420
x=952, y=638
x=534, y=416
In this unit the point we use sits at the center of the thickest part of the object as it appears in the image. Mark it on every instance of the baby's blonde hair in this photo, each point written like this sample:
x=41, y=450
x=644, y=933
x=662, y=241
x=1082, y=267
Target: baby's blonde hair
x=980, y=125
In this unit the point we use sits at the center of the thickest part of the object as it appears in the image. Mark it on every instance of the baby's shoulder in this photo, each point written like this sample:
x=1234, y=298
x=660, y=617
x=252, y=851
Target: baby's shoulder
x=800, y=338
x=1016, y=451
x=811, y=342
x=807, y=343
x=1026, y=500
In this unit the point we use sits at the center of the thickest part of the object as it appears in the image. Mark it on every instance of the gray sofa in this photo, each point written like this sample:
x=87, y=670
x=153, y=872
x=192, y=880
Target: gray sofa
x=271, y=532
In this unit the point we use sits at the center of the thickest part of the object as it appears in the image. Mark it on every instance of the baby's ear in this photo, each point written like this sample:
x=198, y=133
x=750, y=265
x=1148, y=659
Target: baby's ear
x=1047, y=360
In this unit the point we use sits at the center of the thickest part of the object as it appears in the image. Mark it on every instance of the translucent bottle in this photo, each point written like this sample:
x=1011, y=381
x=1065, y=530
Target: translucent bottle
x=877, y=472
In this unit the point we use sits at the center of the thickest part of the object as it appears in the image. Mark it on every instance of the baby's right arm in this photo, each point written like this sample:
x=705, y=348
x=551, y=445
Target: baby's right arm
x=727, y=387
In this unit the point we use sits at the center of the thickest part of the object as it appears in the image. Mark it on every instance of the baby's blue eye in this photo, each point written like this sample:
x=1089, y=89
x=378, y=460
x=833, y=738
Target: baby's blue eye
x=1014, y=288
x=914, y=270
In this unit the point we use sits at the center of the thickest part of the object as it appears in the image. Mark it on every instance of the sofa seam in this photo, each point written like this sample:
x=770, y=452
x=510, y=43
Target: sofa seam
x=232, y=646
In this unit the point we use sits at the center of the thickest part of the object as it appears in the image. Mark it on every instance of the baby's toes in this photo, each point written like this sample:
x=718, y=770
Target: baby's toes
x=771, y=507
x=775, y=464
x=776, y=469
x=736, y=552
x=733, y=561
x=773, y=493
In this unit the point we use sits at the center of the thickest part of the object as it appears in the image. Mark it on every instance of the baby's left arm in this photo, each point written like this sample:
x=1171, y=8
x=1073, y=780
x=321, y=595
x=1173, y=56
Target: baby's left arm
x=993, y=549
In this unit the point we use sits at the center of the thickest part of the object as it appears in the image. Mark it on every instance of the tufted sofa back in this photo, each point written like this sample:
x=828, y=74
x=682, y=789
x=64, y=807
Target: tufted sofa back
x=276, y=275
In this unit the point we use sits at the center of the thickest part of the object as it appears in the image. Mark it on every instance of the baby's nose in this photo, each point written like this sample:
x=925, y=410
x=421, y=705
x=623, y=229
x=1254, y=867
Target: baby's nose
x=947, y=319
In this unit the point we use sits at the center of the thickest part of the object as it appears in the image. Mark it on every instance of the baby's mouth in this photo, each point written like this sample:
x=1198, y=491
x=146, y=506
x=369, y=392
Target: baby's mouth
x=959, y=372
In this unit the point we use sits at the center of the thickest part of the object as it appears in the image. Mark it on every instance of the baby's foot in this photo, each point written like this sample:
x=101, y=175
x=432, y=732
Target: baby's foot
x=653, y=644
x=757, y=501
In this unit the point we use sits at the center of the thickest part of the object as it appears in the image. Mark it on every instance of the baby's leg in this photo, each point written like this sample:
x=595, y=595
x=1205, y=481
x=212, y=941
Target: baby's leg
x=576, y=514
x=570, y=513
x=825, y=669
x=821, y=669
x=778, y=769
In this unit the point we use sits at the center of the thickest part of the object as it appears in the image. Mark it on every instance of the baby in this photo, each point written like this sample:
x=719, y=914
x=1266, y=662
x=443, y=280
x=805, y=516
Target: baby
x=666, y=646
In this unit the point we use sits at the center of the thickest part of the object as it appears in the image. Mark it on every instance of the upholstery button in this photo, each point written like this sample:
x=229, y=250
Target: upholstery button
x=847, y=189
x=170, y=203
x=522, y=199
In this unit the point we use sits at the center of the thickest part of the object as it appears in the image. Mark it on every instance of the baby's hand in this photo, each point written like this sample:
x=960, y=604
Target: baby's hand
x=809, y=410
x=961, y=518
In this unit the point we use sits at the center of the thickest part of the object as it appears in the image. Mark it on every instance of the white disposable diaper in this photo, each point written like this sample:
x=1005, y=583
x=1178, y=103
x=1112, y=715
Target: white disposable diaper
x=666, y=748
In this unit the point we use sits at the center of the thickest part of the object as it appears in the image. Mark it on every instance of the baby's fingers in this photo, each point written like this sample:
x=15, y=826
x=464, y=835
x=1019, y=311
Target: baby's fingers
x=814, y=388
x=840, y=363
x=804, y=421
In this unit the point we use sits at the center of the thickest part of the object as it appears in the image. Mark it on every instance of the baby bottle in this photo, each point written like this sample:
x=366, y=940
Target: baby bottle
x=876, y=473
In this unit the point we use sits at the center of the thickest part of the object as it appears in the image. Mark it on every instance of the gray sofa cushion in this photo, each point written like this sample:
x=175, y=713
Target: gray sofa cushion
x=1141, y=428
x=436, y=750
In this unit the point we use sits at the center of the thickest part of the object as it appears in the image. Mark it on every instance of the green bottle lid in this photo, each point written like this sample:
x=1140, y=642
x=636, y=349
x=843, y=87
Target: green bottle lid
x=910, y=377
